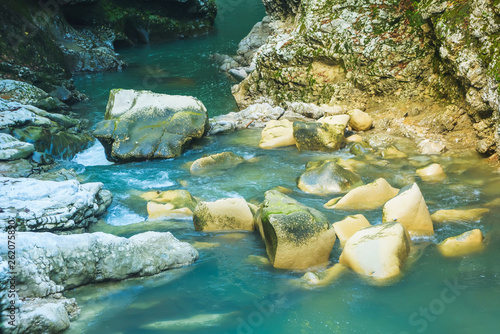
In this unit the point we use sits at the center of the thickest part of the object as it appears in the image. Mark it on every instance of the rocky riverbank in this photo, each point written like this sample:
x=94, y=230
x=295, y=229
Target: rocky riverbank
x=427, y=66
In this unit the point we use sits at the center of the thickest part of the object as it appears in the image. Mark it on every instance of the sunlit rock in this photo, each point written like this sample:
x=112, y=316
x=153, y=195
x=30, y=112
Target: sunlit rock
x=409, y=209
x=377, y=252
x=346, y=228
x=277, y=134
x=463, y=244
x=354, y=139
x=342, y=120
x=218, y=161
x=142, y=125
x=222, y=215
x=432, y=173
x=317, y=136
x=296, y=236
x=456, y=216
x=326, y=178
x=367, y=197
x=360, y=121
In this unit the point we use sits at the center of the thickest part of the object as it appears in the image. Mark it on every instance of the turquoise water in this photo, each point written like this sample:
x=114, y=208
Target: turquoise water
x=254, y=298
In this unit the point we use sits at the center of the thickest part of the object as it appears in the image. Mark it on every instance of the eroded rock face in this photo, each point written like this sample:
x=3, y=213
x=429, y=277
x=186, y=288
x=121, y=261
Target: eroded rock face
x=377, y=252
x=296, y=236
x=346, y=51
x=142, y=125
x=50, y=263
x=55, y=134
x=37, y=205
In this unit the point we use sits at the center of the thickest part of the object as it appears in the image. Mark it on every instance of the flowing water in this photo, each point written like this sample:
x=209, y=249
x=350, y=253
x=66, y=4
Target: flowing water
x=226, y=291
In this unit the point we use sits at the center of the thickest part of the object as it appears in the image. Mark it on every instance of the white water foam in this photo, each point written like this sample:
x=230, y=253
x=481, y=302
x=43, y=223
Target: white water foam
x=120, y=215
x=93, y=156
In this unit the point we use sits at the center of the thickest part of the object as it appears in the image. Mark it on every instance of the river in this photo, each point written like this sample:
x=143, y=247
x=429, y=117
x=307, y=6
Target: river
x=225, y=291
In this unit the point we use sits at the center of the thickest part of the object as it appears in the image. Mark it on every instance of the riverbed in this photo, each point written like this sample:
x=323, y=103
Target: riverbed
x=227, y=290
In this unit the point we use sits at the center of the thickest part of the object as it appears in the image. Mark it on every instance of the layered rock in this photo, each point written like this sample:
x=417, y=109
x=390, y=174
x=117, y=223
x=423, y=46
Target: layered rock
x=230, y=214
x=327, y=178
x=411, y=55
x=142, y=125
x=296, y=236
x=377, y=252
x=52, y=133
x=36, y=205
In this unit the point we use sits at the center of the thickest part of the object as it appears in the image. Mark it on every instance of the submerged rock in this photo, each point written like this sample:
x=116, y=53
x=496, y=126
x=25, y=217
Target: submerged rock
x=277, y=134
x=142, y=125
x=377, y=252
x=296, y=236
x=409, y=209
x=170, y=204
x=193, y=323
x=13, y=149
x=347, y=227
x=319, y=136
x=367, y=197
x=223, y=215
x=466, y=243
x=327, y=178
x=37, y=205
x=218, y=161
x=323, y=278
x=456, y=216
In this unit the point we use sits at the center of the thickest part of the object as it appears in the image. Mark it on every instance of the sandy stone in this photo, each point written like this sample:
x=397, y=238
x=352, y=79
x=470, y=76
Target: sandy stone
x=360, y=121
x=224, y=214
x=277, y=134
x=456, y=216
x=347, y=227
x=463, y=244
x=432, y=173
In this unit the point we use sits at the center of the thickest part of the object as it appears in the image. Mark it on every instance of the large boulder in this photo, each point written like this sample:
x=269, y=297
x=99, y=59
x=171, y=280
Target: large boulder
x=223, y=215
x=327, y=178
x=214, y=162
x=463, y=244
x=367, y=197
x=13, y=149
x=170, y=204
x=36, y=205
x=319, y=136
x=277, y=134
x=409, y=209
x=296, y=236
x=377, y=252
x=346, y=228
x=142, y=125
x=49, y=263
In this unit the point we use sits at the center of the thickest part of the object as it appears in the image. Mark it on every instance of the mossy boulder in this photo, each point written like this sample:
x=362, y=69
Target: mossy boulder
x=214, y=162
x=223, y=215
x=377, y=252
x=296, y=236
x=327, y=177
x=142, y=125
x=319, y=136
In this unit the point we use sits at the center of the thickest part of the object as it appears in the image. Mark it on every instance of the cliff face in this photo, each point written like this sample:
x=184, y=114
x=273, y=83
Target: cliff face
x=43, y=42
x=442, y=55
